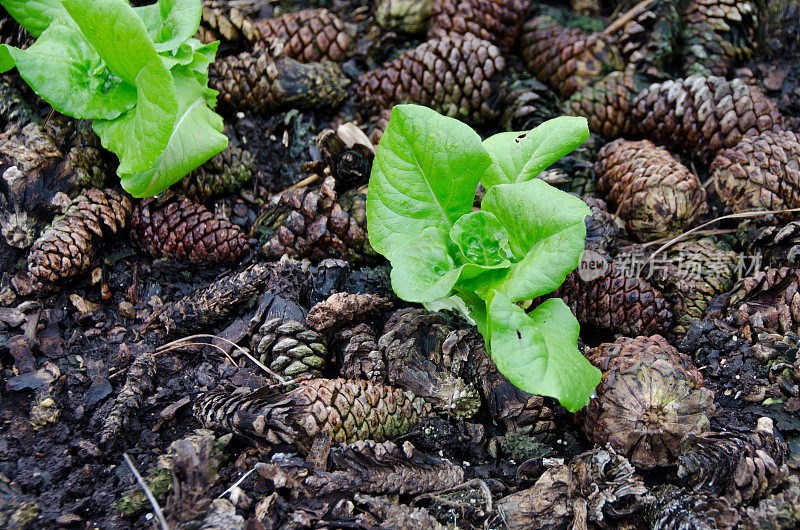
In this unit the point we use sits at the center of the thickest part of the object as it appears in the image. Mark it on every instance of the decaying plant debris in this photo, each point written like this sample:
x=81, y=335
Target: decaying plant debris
x=238, y=341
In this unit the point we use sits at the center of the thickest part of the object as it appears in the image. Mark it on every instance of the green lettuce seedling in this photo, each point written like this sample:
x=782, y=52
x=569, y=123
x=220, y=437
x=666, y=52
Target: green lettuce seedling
x=523, y=242
x=137, y=72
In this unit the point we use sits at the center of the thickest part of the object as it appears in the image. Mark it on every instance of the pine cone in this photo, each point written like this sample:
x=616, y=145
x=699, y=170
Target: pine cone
x=653, y=193
x=606, y=104
x=312, y=223
x=260, y=82
x=585, y=8
x=615, y=302
x=379, y=126
x=566, y=59
x=527, y=103
x=11, y=33
x=343, y=308
x=408, y=16
x=222, y=22
x=349, y=410
x=740, y=465
x=768, y=301
x=91, y=164
x=224, y=174
x=703, y=115
x=780, y=510
x=779, y=245
x=289, y=348
x=67, y=248
x=696, y=511
x=13, y=107
x=761, y=172
x=648, y=40
x=650, y=397
x=602, y=231
x=456, y=76
x=496, y=21
x=174, y=227
x=311, y=35
x=359, y=356
x=718, y=32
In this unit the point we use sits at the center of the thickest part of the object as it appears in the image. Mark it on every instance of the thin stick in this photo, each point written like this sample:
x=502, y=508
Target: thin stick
x=153, y=502
x=628, y=15
x=236, y=483
x=179, y=343
x=303, y=183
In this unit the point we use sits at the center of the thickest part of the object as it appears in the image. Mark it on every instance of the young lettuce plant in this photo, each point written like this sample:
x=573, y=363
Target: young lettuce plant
x=137, y=72
x=523, y=242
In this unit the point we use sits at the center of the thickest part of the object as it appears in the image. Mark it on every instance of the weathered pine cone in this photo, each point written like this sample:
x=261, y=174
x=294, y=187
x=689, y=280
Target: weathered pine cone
x=703, y=115
x=458, y=76
x=653, y=193
x=92, y=165
x=527, y=103
x=314, y=223
x=408, y=16
x=697, y=510
x=11, y=33
x=13, y=107
x=606, y=104
x=348, y=410
x=768, y=301
x=602, y=231
x=761, y=172
x=261, y=82
x=224, y=174
x=496, y=21
x=358, y=354
x=650, y=397
x=221, y=22
x=778, y=245
x=174, y=227
x=311, y=35
x=289, y=348
x=647, y=41
x=780, y=510
x=67, y=248
x=740, y=465
x=616, y=302
x=717, y=33
x=566, y=59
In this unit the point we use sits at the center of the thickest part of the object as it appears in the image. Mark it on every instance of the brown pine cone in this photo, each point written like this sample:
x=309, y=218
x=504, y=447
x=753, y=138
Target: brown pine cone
x=13, y=107
x=349, y=410
x=224, y=23
x=780, y=510
x=768, y=301
x=174, y=227
x=697, y=510
x=224, y=174
x=11, y=33
x=692, y=274
x=408, y=16
x=606, y=104
x=527, y=103
x=289, y=348
x=456, y=76
x=585, y=8
x=650, y=397
x=261, y=82
x=648, y=40
x=778, y=245
x=703, y=115
x=359, y=356
x=67, y=248
x=381, y=122
x=653, y=193
x=92, y=165
x=602, y=232
x=740, y=465
x=717, y=33
x=566, y=59
x=313, y=223
x=342, y=308
x=311, y=35
x=761, y=172
x=615, y=302
x=496, y=21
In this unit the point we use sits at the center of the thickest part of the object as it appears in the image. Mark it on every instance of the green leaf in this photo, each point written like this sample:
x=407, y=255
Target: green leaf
x=194, y=139
x=64, y=70
x=425, y=272
x=117, y=34
x=139, y=136
x=426, y=171
x=538, y=351
x=34, y=15
x=546, y=235
x=517, y=157
x=170, y=23
x=481, y=239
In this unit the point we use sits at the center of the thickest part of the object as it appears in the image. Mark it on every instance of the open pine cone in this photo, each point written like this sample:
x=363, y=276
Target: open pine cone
x=496, y=21
x=311, y=35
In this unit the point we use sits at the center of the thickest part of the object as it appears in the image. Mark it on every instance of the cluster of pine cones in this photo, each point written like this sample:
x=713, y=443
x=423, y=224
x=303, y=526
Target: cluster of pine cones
x=679, y=137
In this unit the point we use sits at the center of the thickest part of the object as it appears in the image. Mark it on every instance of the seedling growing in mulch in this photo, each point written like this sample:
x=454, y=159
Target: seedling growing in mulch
x=523, y=242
